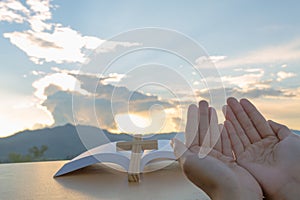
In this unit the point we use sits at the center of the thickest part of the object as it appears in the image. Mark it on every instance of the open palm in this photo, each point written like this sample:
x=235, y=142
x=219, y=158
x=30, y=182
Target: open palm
x=269, y=151
x=207, y=159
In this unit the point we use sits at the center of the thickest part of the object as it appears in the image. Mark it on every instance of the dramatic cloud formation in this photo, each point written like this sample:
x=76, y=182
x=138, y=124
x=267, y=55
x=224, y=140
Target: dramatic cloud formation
x=63, y=44
x=65, y=93
x=49, y=42
x=59, y=94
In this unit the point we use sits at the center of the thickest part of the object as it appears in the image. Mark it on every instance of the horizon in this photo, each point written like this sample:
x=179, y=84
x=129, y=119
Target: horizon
x=70, y=124
x=44, y=48
x=297, y=131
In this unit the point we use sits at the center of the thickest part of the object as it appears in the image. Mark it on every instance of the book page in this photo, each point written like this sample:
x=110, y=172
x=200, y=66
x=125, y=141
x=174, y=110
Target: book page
x=164, y=152
x=103, y=154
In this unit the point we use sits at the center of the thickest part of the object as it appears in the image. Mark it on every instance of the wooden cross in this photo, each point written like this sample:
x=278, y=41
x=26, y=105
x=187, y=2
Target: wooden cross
x=137, y=146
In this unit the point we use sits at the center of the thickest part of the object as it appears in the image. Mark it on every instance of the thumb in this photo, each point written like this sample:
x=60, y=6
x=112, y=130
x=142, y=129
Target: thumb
x=179, y=148
x=280, y=130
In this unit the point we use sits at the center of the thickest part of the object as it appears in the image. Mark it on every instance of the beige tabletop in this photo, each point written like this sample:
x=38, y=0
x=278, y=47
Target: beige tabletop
x=35, y=181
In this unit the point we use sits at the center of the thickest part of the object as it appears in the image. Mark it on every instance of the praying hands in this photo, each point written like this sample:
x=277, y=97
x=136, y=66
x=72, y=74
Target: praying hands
x=247, y=158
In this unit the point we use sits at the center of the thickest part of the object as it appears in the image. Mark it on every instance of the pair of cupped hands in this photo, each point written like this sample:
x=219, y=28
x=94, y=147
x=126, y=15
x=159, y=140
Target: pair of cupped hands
x=246, y=157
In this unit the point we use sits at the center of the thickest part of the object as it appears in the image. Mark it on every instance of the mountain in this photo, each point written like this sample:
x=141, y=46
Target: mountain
x=297, y=132
x=63, y=142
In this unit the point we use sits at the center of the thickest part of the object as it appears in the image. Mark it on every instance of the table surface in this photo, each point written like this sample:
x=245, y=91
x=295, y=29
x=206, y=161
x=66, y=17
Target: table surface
x=35, y=181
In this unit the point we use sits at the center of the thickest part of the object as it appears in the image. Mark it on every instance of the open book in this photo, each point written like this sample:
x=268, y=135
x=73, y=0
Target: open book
x=108, y=153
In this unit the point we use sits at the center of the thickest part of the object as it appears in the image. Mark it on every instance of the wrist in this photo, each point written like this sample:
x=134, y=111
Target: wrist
x=289, y=191
x=226, y=195
x=235, y=192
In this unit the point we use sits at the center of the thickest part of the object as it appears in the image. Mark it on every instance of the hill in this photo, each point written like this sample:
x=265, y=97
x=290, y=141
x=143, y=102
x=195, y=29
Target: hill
x=63, y=142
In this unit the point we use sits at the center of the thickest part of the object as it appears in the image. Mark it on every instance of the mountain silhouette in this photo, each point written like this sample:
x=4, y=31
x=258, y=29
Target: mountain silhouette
x=63, y=142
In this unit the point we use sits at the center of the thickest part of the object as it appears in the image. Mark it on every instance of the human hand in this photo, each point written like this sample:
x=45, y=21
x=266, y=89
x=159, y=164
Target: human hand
x=216, y=173
x=268, y=150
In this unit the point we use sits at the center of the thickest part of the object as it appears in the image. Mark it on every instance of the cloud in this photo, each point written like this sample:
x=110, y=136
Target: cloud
x=13, y=11
x=91, y=78
x=252, y=93
x=37, y=73
x=62, y=45
x=62, y=81
x=284, y=66
x=19, y=112
x=272, y=54
x=246, y=79
x=40, y=6
x=213, y=59
x=284, y=75
x=111, y=78
x=107, y=101
x=251, y=70
x=251, y=83
x=34, y=12
x=50, y=42
x=208, y=61
x=41, y=12
x=66, y=93
x=60, y=105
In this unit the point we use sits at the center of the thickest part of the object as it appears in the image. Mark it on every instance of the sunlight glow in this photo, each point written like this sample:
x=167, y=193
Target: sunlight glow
x=132, y=123
x=18, y=113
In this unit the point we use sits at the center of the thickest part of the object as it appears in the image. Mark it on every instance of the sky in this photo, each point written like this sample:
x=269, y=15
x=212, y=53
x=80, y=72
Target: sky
x=48, y=77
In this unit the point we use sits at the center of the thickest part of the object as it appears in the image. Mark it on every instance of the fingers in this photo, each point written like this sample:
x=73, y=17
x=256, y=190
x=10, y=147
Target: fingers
x=226, y=145
x=214, y=132
x=203, y=124
x=243, y=120
x=236, y=143
x=208, y=129
x=218, y=146
x=229, y=115
x=191, y=129
x=260, y=123
x=280, y=130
